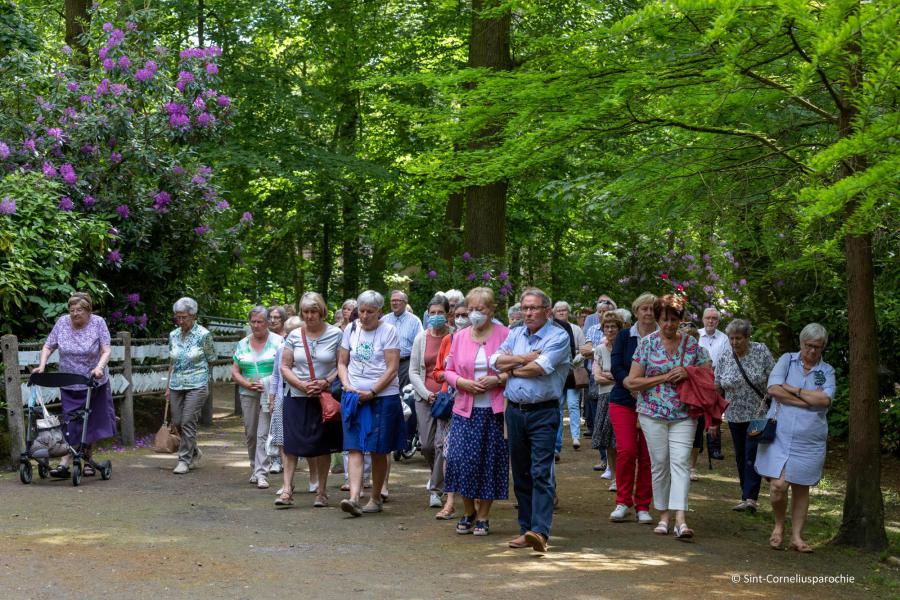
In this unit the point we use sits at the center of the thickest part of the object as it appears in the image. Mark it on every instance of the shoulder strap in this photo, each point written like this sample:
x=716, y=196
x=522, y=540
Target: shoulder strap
x=312, y=372
x=683, y=348
x=747, y=379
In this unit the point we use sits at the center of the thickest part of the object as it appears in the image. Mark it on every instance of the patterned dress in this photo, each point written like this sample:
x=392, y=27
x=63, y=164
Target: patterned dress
x=661, y=401
x=744, y=404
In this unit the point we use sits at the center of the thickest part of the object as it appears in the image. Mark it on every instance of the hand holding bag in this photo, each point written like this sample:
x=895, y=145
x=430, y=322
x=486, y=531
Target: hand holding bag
x=442, y=407
x=331, y=408
x=167, y=439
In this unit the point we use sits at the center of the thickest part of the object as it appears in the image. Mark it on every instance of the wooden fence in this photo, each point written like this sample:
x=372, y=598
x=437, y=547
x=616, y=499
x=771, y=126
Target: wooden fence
x=138, y=367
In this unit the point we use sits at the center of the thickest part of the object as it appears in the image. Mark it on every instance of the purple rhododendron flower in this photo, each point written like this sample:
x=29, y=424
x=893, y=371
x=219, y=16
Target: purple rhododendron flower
x=89, y=201
x=107, y=27
x=103, y=52
x=123, y=211
x=204, y=170
x=212, y=69
x=29, y=145
x=162, y=198
x=7, y=206
x=466, y=256
x=66, y=204
x=72, y=86
x=119, y=88
x=180, y=121
x=114, y=256
x=66, y=50
x=209, y=94
x=143, y=75
x=124, y=62
x=133, y=298
x=68, y=174
x=103, y=87
x=85, y=99
x=115, y=315
x=247, y=218
x=199, y=104
x=472, y=277
x=223, y=205
x=214, y=51
x=130, y=319
x=49, y=170
x=186, y=76
x=174, y=108
x=742, y=282
x=4, y=151
x=150, y=65
x=115, y=38
x=224, y=101
x=432, y=274
x=109, y=64
x=142, y=321
x=130, y=25
x=201, y=230
x=503, y=276
x=486, y=276
x=178, y=170
x=198, y=180
x=205, y=119
x=115, y=158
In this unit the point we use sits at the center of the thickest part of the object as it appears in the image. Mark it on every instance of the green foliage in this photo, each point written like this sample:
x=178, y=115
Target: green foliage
x=46, y=254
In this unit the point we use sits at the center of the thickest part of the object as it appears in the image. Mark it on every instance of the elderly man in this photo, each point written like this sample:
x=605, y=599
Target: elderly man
x=408, y=327
x=537, y=358
x=711, y=338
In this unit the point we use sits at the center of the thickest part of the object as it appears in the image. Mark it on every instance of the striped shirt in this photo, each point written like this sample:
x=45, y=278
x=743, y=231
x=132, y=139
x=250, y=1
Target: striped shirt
x=257, y=365
x=408, y=327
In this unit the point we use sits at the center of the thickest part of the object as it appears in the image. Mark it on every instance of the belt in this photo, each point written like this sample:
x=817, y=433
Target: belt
x=536, y=406
x=404, y=358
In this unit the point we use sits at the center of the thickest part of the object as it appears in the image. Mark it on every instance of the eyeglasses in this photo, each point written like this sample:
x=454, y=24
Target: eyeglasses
x=526, y=309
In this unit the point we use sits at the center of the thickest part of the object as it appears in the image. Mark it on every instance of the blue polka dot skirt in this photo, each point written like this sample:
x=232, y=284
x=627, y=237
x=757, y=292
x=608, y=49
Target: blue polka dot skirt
x=477, y=456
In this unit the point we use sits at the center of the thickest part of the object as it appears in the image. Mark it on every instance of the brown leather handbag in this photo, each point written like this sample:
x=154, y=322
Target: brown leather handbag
x=331, y=408
x=167, y=439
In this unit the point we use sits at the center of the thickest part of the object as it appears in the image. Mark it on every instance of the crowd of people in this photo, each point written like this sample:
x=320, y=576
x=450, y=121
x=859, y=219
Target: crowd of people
x=489, y=400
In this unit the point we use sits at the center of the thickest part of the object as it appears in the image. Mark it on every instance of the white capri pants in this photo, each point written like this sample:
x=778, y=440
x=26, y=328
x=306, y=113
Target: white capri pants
x=669, y=443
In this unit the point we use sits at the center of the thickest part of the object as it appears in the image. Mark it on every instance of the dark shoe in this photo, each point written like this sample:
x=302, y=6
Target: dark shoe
x=60, y=472
x=482, y=528
x=537, y=541
x=466, y=524
x=352, y=508
x=556, y=457
x=518, y=542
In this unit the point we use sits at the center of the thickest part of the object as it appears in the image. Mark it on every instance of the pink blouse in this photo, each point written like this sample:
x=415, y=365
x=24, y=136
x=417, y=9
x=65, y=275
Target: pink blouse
x=461, y=363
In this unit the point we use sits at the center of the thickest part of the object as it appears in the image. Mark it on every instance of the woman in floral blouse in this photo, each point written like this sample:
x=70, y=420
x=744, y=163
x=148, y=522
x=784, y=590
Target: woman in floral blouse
x=658, y=366
x=746, y=401
x=191, y=350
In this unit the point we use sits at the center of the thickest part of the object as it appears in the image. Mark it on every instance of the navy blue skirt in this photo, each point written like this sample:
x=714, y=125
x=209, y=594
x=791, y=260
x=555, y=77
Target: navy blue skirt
x=304, y=432
x=378, y=427
x=102, y=423
x=477, y=456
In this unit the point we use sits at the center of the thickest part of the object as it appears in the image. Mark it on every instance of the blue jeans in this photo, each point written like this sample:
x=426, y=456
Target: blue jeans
x=531, y=435
x=573, y=399
x=745, y=457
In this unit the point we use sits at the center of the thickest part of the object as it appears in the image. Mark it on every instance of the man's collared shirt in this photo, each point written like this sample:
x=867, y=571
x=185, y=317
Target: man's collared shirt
x=555, y=360
x=408, y=327
x=714, y=344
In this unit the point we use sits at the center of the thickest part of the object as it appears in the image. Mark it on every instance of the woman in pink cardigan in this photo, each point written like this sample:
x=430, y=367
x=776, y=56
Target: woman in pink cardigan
x=477, y=466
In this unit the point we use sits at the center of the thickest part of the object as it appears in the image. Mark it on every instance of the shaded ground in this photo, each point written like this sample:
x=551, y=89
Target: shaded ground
x=149, y=533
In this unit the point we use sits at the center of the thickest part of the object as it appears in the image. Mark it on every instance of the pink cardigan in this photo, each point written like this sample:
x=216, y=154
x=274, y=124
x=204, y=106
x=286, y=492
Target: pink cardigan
x=461, y=363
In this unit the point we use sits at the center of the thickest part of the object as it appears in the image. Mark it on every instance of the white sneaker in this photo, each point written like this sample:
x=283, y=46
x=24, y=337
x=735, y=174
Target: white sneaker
x=607, y=474
x=435, y=500
x=645, y=518
x=276, y=468
x=253, y=479
x=613, y=487
x=195, y=462
x=181, y=468
x=620, y=514
x=262, y=483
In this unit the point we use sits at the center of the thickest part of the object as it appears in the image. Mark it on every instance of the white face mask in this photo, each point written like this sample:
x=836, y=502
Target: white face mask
x=461, y=322
x=478, y=318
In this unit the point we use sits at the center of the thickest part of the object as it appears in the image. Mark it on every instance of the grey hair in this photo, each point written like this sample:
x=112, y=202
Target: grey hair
x=187, y=305
x=714, y=309
x=455, y=296
x=739, y=326
x=280, y=310
x=259, y=310
x=401, y=292
x=562, y=304
x=291, y=324
x=814, y=331
x=624, y=313
x=537, y=293
x=351, y=304
x=515, y=308
x=371, y=298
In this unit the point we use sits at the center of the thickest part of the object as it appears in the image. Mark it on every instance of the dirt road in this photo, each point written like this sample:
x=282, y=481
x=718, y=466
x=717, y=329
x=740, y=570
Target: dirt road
x=147, y=533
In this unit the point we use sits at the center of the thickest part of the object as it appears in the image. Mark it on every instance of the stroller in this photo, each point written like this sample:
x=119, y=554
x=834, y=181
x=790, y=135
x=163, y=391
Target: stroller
x=43, y=431
x=412, y=431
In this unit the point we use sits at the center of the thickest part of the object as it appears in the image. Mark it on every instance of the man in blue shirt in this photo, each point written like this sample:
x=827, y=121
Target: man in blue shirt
x=408, y=327
x=537, y=358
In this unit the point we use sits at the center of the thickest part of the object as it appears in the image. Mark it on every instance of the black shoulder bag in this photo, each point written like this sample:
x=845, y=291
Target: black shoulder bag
x=763, y=430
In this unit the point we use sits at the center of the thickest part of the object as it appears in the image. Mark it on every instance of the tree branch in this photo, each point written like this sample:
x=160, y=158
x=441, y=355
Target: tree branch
x=834, y=95
x=798, y=99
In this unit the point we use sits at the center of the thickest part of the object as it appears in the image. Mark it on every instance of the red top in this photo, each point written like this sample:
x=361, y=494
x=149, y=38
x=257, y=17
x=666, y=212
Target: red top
x=432, y=346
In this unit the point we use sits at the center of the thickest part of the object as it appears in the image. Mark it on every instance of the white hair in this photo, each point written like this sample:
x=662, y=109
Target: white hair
x=259, y=310
x=454, y=296
x=814, y=331
x=515, y=308
x=624, y=313
x=562, y=304
x=186, y=305
x=371, y=298
x=740, y=327
x=714, y=309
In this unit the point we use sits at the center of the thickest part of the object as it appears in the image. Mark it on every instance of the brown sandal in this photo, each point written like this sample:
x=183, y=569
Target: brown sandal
x=285, y=499
x=445, y=514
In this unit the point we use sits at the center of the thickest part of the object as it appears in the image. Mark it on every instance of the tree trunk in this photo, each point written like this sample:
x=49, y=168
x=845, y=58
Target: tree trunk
x=485, y=225
x=325, y=258
x=377, y=267
x=453, y=216
x=77, y=19
x=201, y=23
x=863, y=520
x=297, y=261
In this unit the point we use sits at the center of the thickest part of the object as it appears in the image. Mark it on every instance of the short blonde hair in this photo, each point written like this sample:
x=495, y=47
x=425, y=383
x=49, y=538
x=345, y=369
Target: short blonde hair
x=485, y=294
x=311, y=299
x=81, y=299
x=645, y=298
x=612, y=316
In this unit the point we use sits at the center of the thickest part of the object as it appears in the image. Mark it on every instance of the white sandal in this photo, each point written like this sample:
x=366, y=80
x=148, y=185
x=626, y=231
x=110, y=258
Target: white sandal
x=662, y=528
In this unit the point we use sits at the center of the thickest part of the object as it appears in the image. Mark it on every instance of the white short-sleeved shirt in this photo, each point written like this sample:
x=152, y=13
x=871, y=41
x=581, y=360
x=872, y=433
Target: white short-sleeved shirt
x=367, y=363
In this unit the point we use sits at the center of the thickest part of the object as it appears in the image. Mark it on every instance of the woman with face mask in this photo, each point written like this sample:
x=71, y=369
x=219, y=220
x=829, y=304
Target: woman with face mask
x=423, y=360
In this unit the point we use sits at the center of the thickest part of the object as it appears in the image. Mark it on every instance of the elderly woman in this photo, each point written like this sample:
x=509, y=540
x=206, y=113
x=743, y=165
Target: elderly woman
x=593, y=338
x=190, y=352
x=478, y=456
x=802, y=386
x=84, y=345
x=741, y=377
x=276, y=400
x=252, y=368
x=346, y=313
x=423, y=360
x=659, y=364
x=277, y=317
x=372, y=415
x=602, y=437
x=305, y=434
x=572, y=395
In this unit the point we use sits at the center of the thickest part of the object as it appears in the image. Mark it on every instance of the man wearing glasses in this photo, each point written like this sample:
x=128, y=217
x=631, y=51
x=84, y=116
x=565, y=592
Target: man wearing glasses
x=537, y=358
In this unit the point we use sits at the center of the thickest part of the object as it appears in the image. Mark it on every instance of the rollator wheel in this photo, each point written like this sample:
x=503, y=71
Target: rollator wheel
x=105, y=470
x=25, y=473
x=43, y=471
x=76, y=473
